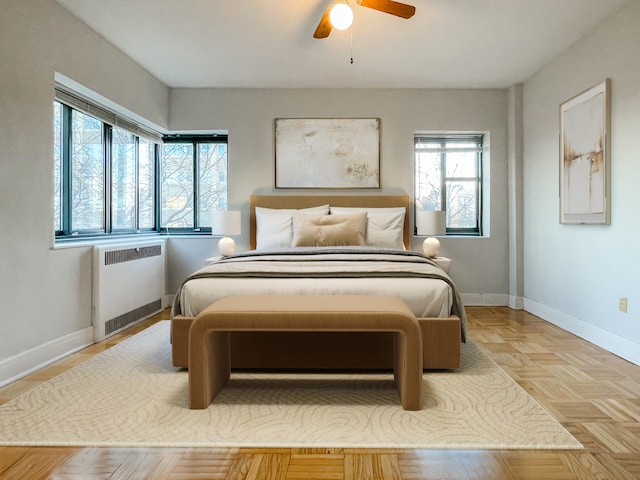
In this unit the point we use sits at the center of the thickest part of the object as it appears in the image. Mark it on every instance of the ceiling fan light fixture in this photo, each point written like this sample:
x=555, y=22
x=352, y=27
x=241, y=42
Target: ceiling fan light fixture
x=341, y=15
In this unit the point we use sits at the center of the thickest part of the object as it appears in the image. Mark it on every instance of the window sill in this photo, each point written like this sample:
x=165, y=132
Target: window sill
x=453, y=235
x=79, y=242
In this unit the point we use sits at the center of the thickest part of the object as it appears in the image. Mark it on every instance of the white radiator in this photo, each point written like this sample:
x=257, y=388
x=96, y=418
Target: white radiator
x=128, y=285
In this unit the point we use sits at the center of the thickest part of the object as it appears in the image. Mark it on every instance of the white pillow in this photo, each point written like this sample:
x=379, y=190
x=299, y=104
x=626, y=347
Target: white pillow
x=385, y=226
x=274, y=226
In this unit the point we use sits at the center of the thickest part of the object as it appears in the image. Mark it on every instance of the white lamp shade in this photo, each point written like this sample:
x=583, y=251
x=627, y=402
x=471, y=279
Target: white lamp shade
x=431, y=222
x=341, y=16
x=225, y=222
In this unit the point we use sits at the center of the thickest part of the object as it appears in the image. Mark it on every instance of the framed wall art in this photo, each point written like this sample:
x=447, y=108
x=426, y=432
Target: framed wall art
x=585, y=156
x=327, y=153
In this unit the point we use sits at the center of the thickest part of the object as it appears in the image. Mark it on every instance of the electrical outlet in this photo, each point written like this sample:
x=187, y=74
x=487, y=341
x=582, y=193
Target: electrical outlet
x=622, y=304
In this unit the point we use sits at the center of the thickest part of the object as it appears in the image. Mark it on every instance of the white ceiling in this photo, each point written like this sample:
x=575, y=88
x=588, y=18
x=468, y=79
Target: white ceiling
x=269, y=43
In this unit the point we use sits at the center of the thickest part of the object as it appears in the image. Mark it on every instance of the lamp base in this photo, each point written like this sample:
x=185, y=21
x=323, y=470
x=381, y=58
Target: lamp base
x=431, y=247
x=226, y=246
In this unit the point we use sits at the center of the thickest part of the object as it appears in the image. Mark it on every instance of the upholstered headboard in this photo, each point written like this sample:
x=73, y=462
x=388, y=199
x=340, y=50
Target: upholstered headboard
x=299, y=201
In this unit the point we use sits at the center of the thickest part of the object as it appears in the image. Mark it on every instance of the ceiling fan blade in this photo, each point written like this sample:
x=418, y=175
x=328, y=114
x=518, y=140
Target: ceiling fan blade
x=389, y=6
x=324, y=27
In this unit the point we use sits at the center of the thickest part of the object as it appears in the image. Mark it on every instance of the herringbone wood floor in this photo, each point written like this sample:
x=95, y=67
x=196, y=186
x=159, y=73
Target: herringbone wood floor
x=593, y=393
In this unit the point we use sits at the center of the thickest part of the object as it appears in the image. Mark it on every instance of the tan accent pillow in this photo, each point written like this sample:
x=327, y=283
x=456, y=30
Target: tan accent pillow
x=329, y=230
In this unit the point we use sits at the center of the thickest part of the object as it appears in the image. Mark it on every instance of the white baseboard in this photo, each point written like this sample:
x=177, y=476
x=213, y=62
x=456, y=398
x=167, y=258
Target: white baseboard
x=21, y=365
x=168, y=299
x=517, y=303
x=485, y=299
x=14, y=368
x=609, y=341
x=492, y=300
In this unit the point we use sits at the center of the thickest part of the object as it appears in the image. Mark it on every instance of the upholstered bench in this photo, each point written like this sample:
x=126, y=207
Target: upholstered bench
x=209, y=335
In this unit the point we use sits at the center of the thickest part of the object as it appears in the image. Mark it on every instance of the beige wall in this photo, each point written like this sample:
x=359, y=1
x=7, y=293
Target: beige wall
x=45, y=293
x=574, y=274
x=480, y=264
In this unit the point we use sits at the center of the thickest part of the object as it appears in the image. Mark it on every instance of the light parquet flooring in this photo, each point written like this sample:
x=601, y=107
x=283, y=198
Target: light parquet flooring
x=593, y=393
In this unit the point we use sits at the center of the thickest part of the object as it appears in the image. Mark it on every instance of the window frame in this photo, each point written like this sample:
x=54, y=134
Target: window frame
x=66, y=173
x=442, y=139
x=195, y=140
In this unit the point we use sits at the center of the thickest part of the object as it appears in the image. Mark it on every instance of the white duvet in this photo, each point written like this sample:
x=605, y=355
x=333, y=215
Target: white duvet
x=419, y=281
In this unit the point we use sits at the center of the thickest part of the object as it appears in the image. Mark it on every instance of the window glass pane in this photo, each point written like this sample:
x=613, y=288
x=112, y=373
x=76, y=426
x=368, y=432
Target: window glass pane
x=212, y=164
x=87, y=173
x=462, y=205
x=146, y=190
x=428, y=180
x=461, y=164
x=453, y=161
x=177, y=185
x=57, y=161
x=123, y=180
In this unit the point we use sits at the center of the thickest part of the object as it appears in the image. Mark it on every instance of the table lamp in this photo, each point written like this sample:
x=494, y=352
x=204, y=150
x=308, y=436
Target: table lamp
x=431, y=222
x=226, y=223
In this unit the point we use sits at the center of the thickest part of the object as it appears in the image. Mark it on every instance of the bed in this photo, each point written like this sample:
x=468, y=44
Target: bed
x=298, y=245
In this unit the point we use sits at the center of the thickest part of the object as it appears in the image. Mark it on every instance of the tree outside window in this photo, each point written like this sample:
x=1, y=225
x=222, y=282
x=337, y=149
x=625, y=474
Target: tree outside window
x=193, y=181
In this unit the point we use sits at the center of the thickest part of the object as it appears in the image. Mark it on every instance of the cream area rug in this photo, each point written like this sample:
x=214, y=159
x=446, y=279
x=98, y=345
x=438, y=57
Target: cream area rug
x=130, y=395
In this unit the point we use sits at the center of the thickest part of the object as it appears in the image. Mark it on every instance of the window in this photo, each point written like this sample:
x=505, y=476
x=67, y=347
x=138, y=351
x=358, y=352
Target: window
x=193, y=181
x=448, y=176
x=146, y=184
x=124, y=179
x=87, y=167
x=114, y=176
x=57, y=165
x=105, y=175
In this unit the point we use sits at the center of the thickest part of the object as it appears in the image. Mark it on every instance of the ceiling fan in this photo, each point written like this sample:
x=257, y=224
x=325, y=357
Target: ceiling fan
x=387, y=6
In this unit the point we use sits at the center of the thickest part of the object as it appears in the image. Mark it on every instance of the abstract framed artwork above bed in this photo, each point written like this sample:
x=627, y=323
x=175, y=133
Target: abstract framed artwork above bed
x=327, y=153
x=369, y=269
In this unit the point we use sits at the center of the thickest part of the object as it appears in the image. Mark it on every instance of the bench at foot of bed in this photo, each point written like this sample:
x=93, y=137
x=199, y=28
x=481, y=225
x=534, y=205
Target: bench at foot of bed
x=209, y=341
x=441, y=348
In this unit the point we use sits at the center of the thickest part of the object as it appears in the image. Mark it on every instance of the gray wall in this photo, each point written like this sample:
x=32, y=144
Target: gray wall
x=45, y=293
x=570, y=275
x=480, y=265
x=47, y=290
x=574, y=274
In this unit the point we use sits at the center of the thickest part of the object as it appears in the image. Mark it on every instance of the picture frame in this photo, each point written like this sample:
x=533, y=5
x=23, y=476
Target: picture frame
x=334, y=153
x=585, y=157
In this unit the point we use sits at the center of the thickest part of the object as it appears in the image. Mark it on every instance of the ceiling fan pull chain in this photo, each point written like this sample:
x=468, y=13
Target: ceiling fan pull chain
x=351, y=32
